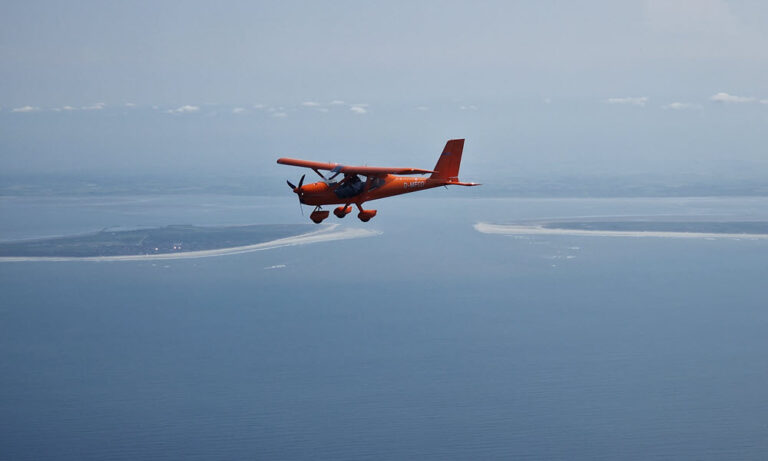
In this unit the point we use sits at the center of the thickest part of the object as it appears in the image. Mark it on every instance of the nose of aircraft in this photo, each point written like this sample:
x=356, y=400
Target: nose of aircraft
x=297, y=189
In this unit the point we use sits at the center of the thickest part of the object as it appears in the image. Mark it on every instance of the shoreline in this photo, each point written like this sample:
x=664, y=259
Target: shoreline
x=537, y=229
x=327, y=234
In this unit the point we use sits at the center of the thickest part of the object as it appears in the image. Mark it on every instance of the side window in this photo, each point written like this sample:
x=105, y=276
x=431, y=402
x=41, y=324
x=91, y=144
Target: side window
x=376, y=183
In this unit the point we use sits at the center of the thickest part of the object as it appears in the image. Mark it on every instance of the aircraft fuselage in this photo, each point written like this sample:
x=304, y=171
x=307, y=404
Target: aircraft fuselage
x=323, y=193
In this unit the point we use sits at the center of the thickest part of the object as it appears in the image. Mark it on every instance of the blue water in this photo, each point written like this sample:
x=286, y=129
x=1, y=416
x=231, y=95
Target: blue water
x=430, y=341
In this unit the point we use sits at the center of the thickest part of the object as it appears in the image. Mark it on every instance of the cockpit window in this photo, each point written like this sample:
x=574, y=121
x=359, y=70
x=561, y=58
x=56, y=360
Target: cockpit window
x=349, y=187
x=352, y=185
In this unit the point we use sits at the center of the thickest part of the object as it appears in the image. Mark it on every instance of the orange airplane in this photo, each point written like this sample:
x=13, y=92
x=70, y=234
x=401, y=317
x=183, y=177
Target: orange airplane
x=380, y=182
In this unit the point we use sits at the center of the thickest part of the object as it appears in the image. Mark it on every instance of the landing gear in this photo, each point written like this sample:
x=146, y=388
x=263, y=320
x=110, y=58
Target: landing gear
x=365, y=215
x=342, y=211
x=318, y=215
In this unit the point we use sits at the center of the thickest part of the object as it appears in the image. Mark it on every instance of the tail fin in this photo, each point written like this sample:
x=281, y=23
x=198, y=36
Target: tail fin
x=447, y=167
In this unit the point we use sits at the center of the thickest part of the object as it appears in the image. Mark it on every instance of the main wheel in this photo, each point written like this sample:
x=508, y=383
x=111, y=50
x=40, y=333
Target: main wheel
x=366, y=215
x=341, y=211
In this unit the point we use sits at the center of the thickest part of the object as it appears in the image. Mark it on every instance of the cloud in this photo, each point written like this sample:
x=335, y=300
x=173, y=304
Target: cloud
x=322, y=109
x=764, y=101
x=25, y=109
x=279, y=115
x=337, y=102
x=130, y=104
x=65, y=108
x=469, y=107
x=729, y=98
x=259, y=106
x=634, y=101
x=238, y=110
x=184, y=109
x=422, y=108
x=680, y=106
x=310, y=104
x=96, y=106
x=359, y=109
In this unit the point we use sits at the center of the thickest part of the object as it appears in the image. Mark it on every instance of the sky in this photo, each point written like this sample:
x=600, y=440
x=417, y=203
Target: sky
x=538, y=88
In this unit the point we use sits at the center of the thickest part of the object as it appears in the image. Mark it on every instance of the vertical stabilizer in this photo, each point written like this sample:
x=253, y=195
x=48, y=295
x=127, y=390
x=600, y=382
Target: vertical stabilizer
x=447, y=167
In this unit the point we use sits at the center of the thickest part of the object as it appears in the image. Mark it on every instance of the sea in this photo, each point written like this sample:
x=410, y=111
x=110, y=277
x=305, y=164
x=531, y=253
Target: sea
x=430, y=340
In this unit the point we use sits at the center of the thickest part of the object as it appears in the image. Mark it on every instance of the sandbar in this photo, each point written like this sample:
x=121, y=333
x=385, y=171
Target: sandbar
x=539, y=229
x=327, y=234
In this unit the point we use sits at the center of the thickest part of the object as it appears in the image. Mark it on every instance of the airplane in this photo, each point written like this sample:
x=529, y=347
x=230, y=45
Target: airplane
x=380, y=182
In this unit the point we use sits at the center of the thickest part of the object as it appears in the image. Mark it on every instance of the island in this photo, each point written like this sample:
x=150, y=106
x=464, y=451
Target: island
x=153, y=241
x=706, y=227
x=674, y=228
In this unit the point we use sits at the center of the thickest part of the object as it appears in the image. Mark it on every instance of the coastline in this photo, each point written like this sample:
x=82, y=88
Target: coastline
x=327, y=234
x=537, y=229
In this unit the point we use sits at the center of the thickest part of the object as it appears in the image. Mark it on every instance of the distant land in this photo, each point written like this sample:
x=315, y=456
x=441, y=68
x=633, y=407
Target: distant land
x=717, y=227
x=633, y=228
x=154, y=241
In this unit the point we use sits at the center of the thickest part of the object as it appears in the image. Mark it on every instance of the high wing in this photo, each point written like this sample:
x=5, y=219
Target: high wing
x=363, y=170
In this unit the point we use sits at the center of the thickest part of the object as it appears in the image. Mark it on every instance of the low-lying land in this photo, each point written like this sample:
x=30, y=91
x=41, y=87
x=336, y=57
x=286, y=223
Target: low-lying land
x=634, y=228
x=155, y=241
x=715, y=227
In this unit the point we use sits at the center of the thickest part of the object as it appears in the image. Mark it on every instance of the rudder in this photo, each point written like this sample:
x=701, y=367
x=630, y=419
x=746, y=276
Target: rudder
x=447, y=166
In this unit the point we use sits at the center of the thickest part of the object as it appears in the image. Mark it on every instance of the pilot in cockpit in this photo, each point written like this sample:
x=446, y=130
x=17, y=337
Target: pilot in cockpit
x=350, y=186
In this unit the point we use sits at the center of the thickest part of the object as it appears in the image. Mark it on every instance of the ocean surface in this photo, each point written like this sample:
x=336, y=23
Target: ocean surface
x=429, y=341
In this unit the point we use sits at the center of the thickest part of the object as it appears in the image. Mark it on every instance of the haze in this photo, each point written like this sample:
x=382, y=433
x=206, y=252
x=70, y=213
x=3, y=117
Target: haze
x=670, y=88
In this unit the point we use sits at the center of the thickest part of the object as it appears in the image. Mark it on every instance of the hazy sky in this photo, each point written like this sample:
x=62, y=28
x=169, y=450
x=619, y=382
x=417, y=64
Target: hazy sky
x=602, y=87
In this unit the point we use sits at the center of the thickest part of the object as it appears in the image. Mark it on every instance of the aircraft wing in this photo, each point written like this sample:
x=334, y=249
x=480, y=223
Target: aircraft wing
x=363, y=170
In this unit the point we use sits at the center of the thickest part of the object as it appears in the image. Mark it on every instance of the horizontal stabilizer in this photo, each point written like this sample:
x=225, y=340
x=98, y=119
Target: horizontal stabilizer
x=459, y=183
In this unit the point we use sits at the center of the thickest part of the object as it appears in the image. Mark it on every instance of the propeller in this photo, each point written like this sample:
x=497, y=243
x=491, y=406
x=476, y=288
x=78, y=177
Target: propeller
x=296, y=188
x=297, y=191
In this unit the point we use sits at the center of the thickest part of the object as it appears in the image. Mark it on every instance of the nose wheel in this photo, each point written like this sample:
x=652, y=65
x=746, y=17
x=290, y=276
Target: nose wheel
x=318, y=215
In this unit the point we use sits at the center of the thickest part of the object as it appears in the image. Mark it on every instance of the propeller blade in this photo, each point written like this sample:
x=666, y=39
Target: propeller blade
x=298, y=192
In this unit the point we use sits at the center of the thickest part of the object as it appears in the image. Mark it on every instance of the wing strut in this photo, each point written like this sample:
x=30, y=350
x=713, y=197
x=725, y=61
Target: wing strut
x=318, y=173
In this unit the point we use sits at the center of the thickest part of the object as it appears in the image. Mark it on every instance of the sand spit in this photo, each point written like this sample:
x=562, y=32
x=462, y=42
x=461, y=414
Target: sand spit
x=327, y=234
x=538, y=229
